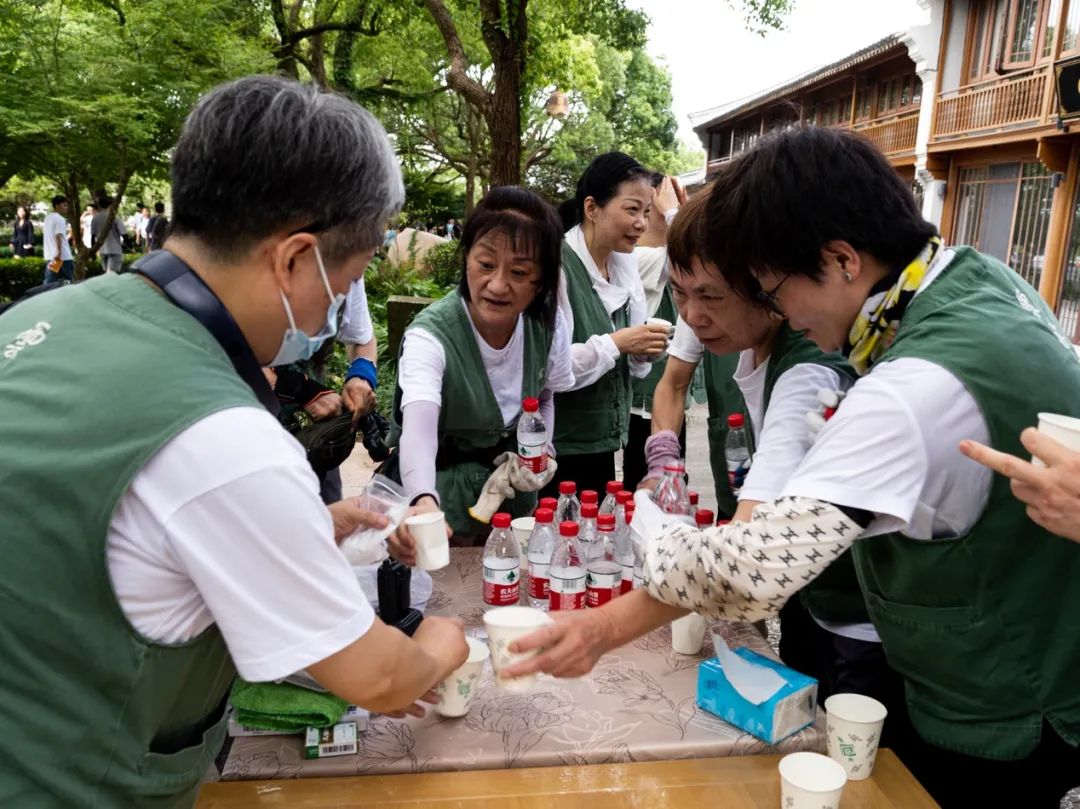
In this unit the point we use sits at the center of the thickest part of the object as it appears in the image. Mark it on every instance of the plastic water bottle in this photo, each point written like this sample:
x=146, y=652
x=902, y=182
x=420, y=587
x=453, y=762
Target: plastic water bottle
x=566, y=575
x=736, y=452
x=693, y=499
x=703, y=518
x=532, y=437
x=638, y=576
x=569, y=509
x=624, y=555
x=502, y=564
x=588, y=496
x=604, y=579
x=623, y=500
x=671, y=496
x=541, y=547
x=613, y=488
x=587, y=531
x=548, y=502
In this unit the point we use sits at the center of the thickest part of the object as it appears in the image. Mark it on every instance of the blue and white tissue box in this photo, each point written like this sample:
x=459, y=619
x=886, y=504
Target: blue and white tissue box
x=789, y=710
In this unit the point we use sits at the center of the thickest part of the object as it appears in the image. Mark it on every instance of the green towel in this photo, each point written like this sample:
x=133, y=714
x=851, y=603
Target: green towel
x=284, y=707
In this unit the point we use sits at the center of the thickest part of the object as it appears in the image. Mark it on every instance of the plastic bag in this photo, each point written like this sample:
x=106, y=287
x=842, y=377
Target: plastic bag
x=382, y=496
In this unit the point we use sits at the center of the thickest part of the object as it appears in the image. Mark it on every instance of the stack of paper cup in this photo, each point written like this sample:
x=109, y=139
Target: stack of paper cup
x=432, y=545
x=854, y=725
x=457, y=690
x=1063, y=429
x=810, y=781
x=659, y=321
x=504, y=626
x=522, y=528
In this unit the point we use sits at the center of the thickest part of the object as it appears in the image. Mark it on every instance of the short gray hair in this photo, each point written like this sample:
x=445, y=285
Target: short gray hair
x=266, y=153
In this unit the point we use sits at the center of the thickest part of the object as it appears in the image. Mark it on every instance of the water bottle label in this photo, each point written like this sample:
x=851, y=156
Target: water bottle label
x=737, y=476
x=538, y=580
x=501, y=587
x=567, y=594
x=627, y=579
x=533, y=458
x=602, y=587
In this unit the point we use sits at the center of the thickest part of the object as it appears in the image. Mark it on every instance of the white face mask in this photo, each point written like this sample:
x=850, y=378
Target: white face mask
x=297, y=345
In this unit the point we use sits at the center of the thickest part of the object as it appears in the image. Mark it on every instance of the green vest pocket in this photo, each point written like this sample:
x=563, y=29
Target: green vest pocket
x=171, y=771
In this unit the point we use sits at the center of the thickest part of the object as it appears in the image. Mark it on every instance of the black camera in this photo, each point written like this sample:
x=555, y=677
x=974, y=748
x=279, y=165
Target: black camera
x=375, y=429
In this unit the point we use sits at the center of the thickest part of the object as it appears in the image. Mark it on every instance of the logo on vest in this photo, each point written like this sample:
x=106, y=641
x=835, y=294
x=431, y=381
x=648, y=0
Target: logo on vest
x=1032, y=309
x=30, y=337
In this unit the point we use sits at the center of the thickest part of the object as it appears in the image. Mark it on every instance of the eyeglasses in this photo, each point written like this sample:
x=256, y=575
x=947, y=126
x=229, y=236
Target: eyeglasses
x=768, y=299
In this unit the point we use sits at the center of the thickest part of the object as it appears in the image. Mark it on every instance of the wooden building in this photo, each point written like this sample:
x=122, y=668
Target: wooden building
x=966, y=109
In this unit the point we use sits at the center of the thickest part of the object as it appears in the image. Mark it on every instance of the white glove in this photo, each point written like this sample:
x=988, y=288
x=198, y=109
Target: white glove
x=525, y=480
x=496, y=489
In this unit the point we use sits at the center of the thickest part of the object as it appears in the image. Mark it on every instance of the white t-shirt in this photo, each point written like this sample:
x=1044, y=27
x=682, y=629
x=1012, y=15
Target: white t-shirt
x=653, y=270
x=224, y=525
x=598, y=355
x=685, y=345
x=55, y=225
x=423, y=364
x=356, y=326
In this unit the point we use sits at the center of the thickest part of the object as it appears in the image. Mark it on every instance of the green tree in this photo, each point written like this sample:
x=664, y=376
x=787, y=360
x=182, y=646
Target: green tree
x=97, y=90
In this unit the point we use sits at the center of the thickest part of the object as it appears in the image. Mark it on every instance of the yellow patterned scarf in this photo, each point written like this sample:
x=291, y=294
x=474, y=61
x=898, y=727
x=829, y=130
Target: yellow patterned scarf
x=873, y=331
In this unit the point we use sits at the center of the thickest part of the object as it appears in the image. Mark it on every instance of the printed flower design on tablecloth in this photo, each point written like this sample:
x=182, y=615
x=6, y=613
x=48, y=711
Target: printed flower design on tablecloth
x=593, y=738
x=468, y=565
x=522, y=719
x=261, y=765
x=658, y=642
x=640, y=693
x=384, y=743
x=474, y=616
x=439, y=601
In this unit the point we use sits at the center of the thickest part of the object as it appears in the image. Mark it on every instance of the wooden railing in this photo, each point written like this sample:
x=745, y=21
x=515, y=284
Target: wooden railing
x=1004, y=103
x=894, y=136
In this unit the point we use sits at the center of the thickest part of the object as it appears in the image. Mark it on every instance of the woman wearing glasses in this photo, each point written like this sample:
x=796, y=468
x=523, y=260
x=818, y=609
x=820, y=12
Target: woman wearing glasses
x=975, y=604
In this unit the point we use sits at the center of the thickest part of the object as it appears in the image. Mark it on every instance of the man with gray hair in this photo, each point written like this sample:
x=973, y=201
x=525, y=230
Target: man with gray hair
x=190, y=542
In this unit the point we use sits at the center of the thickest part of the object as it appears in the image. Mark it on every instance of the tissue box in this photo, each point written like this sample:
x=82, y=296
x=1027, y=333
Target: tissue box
x=788, y=711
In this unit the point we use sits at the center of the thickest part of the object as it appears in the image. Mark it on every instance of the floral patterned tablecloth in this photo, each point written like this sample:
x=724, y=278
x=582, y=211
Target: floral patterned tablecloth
x=638, y=704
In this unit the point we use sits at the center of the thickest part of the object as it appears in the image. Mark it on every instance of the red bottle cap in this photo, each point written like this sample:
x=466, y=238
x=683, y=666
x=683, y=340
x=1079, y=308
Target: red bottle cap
x=614, y=487
x=722, y=522
x=606, y=522
x=530, y=405
x=568, y=528
x=693, y=497
x=501, y=520
x=589, y=496
x=589, y=511
x=704, y=518
x=567, y=487
x=624, y=497
x=545, y=515
x=629, y=513
x=548, y=502
x=735, y=420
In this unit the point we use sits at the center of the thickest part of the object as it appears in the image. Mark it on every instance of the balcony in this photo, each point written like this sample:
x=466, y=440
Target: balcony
x=895, y=137
x=1015, y=101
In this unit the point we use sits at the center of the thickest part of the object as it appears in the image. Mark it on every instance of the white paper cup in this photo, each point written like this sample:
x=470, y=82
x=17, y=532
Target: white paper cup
x=688, y=634
x=432, y=544
x=457, y=690
x=854, y=725
x=1063, y=429
x=810, y=781
x=659, y=321
x=522, y=528
x=505, y=625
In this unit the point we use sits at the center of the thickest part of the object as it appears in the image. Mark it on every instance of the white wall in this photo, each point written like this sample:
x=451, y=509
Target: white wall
x=954, y=44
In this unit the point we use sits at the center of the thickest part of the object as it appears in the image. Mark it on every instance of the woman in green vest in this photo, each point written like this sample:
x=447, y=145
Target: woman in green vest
x=975, y=603
x=468, y=361
x=603, y=303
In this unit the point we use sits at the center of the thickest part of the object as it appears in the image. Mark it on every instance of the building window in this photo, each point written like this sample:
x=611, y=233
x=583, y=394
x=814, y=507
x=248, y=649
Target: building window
x=980, y=38
x=1052, y=17
x=917, y=192
x=1004, y=210
x=1070, y=37
x=916, y=91
x=1025, y=30
x=864, y=100
x=1068, y=307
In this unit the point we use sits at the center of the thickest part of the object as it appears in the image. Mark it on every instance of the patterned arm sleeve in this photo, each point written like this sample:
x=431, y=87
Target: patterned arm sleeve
x=748, y=570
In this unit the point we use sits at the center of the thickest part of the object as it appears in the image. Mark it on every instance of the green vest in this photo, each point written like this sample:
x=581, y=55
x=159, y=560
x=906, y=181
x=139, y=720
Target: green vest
x=595, y=418
x=471, y=430
x=985, y=628
x=641, y=390
x=93, y=713
x=835, y=594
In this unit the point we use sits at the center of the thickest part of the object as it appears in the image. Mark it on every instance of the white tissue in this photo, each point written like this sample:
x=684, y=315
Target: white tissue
x=754, y=683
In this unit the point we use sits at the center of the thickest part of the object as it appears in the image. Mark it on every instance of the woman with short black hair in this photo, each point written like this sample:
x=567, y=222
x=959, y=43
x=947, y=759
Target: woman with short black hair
x=22, y=234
